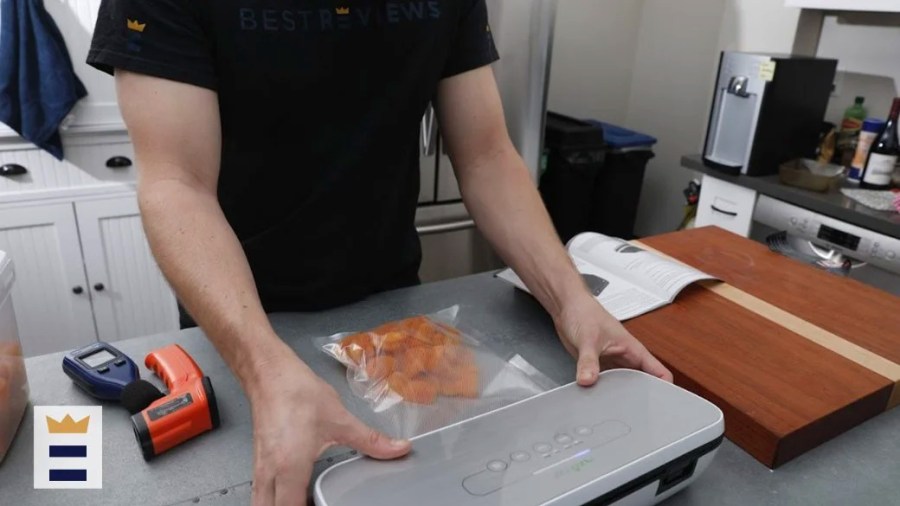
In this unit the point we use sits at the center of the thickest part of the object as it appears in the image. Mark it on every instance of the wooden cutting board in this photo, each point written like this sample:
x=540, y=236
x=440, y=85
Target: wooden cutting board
x=792, y=355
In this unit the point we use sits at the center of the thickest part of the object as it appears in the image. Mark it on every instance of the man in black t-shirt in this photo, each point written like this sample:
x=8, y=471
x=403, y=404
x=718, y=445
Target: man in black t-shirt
x=278, y=171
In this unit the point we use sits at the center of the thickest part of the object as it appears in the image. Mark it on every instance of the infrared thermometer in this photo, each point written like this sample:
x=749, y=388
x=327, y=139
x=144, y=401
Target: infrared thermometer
x=100, y=370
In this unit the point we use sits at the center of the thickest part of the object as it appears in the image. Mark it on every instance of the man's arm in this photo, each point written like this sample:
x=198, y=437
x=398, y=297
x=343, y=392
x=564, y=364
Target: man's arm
x=503, y=200
x=176, y=132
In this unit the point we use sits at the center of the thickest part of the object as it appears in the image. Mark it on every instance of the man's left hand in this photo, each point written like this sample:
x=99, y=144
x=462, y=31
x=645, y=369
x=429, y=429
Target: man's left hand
x=600, y=342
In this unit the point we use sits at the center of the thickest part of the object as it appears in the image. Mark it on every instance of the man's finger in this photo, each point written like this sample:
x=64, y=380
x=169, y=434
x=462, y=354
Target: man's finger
x=263, y=489
x=588, y=368
x=651, y=365
x=291, y=485
x=371, y=442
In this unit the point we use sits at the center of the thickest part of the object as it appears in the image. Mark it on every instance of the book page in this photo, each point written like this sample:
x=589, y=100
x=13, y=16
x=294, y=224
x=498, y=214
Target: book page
x=655, y=274
x=619, y=297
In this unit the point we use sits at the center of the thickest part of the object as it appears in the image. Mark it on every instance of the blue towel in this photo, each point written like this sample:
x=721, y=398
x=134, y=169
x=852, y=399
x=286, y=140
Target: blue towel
x=38, y=86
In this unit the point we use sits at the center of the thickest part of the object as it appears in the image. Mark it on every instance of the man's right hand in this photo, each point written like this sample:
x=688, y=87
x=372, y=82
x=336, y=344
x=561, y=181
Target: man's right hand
x=296, y=417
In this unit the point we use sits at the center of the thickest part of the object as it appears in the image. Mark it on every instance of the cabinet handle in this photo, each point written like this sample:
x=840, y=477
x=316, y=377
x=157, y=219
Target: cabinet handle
x=445, y=227
x=727, y=213
x=77, y=290
x=99, y=287
x=12, y=169
x=118, y=162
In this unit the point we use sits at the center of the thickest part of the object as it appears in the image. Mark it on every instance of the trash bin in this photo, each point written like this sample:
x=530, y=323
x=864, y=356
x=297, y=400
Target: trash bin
x=575, y=152
x=617, y=188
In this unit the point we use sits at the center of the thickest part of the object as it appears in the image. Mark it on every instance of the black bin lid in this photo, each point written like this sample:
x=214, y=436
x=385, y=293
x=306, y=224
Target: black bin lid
x=564, y=132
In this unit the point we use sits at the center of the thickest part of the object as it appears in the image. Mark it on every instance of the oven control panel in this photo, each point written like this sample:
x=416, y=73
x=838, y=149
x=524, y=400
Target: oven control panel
x=856, y=242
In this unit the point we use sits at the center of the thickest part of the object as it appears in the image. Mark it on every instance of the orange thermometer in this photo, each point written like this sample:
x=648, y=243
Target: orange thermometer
x=188, y=410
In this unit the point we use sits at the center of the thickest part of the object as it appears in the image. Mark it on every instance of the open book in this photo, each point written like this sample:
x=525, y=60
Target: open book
x=627, y=280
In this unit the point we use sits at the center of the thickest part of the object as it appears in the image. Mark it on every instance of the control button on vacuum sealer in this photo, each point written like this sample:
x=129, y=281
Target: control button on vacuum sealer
x=519, y=456
x=583, y=431
x=497, y=466
x=563, y=439
x=543, y=448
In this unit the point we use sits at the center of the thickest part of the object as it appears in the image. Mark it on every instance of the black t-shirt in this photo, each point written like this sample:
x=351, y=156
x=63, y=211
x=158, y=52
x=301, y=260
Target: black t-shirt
x=320, y=104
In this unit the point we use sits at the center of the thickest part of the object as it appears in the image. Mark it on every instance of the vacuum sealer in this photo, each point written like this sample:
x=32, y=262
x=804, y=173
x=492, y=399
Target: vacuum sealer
x=631, y=439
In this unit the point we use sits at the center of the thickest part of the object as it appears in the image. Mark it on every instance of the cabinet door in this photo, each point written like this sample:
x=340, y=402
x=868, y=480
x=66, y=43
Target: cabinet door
x=50, y=294
x=725, y=205
x=130, y=295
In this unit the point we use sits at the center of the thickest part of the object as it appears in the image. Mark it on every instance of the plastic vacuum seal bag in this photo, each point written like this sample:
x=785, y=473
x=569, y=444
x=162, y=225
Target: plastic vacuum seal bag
x=426, y=372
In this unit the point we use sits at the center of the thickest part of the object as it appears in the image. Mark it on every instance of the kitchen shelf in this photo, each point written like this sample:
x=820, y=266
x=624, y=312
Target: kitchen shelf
x=847, y=5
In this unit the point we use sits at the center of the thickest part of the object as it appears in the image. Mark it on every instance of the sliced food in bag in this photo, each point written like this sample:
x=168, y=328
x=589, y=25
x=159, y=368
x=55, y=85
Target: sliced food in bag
x=417, y=357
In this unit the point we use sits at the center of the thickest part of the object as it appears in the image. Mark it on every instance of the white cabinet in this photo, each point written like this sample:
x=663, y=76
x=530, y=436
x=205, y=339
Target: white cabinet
x=847, y=5
x=84, y=271
x=130, y=295
x=725, y=205
x=92, y=161
x=53, y=306
x=104, y=158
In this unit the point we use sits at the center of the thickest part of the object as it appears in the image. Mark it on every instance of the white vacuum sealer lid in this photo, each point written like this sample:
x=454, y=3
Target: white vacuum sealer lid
x=570, y=445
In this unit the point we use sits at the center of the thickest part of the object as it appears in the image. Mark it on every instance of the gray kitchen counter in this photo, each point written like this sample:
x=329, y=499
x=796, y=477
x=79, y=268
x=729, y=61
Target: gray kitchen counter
x=831, y=203
x=859, y=467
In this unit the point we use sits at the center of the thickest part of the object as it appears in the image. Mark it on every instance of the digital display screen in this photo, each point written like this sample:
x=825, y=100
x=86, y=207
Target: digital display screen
x=835, y=236
x=97, y=358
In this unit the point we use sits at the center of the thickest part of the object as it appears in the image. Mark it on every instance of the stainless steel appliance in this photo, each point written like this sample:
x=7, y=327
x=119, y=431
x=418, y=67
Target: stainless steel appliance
x=631, y=440
x=523, y=32
x=766, y=110
x=874, y=258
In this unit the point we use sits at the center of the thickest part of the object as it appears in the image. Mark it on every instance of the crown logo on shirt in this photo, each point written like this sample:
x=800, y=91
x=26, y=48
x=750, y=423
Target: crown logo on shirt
x=68, y=425
x=135, y=26
x=342, y=11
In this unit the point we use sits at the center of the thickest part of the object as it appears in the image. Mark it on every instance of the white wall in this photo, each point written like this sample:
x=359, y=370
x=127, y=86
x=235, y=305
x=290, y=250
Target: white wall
x=672, y=84
x=670, y=94
x=868, y=62
x=593, y=58
x=758, y=25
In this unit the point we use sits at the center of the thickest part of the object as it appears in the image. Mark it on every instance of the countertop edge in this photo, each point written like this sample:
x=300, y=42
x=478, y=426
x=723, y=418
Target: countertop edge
x=802, y=198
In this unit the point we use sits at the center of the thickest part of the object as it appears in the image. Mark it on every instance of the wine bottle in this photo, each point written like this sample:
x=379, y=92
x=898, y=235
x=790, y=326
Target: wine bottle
x=883, y=154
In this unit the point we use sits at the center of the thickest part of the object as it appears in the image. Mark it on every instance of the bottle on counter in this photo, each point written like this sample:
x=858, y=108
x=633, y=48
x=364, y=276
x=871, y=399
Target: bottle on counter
x=870, y=130
x=851, y=125
x=883, y=154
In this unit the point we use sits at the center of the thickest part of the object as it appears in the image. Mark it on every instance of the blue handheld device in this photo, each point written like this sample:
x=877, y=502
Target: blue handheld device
x=101, y=370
